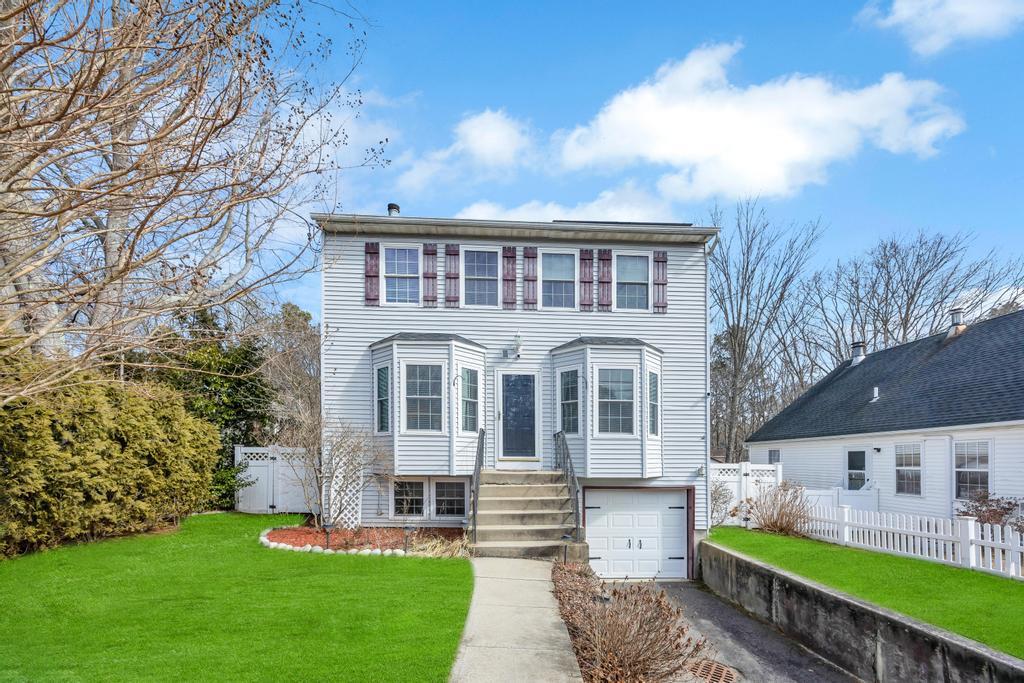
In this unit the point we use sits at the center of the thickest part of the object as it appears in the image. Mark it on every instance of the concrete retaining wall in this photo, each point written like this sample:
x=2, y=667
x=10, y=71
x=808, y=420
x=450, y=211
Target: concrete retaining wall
x=868, y=641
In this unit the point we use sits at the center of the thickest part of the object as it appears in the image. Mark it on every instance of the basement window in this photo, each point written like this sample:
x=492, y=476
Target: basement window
x=409, y=496
x=450, y=498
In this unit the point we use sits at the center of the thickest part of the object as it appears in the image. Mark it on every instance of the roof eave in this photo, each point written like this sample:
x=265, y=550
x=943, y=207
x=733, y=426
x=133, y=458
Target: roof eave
x=352, y=224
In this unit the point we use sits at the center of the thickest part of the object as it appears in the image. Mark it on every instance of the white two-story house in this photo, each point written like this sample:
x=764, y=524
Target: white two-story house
x=483, y=351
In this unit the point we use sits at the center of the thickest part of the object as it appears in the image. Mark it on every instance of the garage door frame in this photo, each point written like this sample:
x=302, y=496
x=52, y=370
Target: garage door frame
x=691, y=495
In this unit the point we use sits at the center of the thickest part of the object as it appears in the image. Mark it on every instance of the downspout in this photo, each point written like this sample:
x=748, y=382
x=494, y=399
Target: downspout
x=708, y=251
x=453, y=401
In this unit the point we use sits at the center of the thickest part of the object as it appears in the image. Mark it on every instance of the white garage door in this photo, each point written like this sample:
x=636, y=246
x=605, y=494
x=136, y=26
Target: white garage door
x=637, y=533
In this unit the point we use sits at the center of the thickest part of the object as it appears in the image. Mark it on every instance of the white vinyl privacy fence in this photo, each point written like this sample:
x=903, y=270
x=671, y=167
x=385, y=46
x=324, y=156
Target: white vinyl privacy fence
x=961, y=541
x=277, y=475
x=744, y=480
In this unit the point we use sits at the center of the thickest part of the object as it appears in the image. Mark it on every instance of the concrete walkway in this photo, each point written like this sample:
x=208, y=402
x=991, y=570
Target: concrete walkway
x=755, y=649
x=514, y=631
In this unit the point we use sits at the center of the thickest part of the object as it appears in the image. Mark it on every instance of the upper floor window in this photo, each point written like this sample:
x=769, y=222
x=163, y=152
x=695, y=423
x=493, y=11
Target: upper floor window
x=383, y=398
x=470, y=399
x=558, y=280
x=614, y=401
x=569, y=400
x=972, y=467
x=481, y=278
x=423, y=397
x=653, y=399
x=774, y=456
x=632, y=282
x=908, y=468
x=401, y=275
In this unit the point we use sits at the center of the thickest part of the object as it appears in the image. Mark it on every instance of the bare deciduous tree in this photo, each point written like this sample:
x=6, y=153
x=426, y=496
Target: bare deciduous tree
x=153, y=156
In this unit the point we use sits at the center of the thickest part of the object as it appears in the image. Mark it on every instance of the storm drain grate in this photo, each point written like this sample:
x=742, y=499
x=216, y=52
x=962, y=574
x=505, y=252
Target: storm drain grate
x=713, y=672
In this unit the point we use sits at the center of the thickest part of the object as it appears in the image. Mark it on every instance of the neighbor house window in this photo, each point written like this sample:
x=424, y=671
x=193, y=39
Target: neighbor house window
x=481, y=278
x=383, y=398
x=614, y=401
x=632, y=282
x=856, y=470
x=408, y=498
x=558, y=280
x=774, y=456
x=401, y=275
x=908, y=468
x=470, y=399
x=972, y=466
x=450, y=498
x=653, y=390
x=569, y=396
x=423, y=397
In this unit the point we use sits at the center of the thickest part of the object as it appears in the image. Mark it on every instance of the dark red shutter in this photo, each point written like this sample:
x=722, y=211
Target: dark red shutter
x=661, y=282
x=371, y=287
x=430, y=275
x=604, y=279
x=451, y=276
x=586, y=279
x=530, y=278
x=508, y=277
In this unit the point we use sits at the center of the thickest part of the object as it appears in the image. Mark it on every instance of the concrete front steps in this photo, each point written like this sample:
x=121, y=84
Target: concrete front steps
x=525, y=514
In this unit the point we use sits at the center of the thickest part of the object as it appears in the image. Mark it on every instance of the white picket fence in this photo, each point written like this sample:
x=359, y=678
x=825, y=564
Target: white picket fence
x=745, y=480
x=961, y=541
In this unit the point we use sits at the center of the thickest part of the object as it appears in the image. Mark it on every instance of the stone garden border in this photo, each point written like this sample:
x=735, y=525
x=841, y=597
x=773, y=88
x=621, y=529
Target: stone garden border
x=267, y=543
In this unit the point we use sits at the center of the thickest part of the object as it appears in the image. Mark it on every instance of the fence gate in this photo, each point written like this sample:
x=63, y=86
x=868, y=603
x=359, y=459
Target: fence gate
x=278, y=476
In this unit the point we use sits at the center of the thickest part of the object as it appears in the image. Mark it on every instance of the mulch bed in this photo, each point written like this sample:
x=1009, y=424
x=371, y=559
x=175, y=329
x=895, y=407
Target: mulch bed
x=385, y=538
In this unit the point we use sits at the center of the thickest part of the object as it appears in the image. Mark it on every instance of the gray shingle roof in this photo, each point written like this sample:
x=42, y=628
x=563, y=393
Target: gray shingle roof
x=439, y=337
x=974, y=378
x=605, y=341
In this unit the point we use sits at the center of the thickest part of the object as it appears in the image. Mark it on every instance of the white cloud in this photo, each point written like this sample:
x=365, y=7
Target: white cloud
x=768, y=139
x=488, y=143
x=624, y=203
x=933, y=25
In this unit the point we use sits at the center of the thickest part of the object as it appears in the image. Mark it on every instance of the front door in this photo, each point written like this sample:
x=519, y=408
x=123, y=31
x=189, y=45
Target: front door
x=518, y=446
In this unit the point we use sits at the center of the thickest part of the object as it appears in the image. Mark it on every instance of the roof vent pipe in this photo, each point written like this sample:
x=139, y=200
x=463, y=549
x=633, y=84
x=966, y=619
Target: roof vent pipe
x=393, y=209
x=956, y=323
x=858, y=351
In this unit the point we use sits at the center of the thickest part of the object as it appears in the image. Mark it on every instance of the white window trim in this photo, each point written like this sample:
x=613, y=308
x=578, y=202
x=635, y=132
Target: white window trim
x=847, y=470
x=777, y=450
x=391, y=399
x=384, y=277
x=990, y=470
x=650, y=280
x=433, y=481
x=462, y=276
x=661, y=402
x=479, y=398
x=580, y=428
x=445, y=394
x=596, y=402
x=896, y=468
x=427, y=503
x=575, y=253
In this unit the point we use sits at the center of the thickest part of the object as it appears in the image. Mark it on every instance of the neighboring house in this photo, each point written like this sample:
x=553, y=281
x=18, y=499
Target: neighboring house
x=438, y=330
x=928, y=423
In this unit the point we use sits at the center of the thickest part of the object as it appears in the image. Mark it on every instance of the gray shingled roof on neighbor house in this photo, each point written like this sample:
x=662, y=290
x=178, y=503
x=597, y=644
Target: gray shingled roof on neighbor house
x=975, y=377
x=605, y=341
x=425, y=337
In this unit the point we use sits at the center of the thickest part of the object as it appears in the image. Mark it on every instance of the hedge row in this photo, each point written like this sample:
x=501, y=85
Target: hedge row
x=99, y=459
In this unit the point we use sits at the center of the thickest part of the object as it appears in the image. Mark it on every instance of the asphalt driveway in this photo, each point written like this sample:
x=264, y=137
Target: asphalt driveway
x=756, y=650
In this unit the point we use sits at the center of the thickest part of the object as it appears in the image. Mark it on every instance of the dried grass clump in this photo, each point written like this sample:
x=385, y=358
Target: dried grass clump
x=632, y=633
x=439, y=546
x=781, y=509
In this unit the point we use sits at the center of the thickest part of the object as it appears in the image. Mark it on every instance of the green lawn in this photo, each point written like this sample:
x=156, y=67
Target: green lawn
x=209, y=603
x=986, y=608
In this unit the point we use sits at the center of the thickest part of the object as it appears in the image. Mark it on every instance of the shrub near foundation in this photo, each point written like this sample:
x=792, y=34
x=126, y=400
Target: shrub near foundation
x=99, y=459
x=632, y=633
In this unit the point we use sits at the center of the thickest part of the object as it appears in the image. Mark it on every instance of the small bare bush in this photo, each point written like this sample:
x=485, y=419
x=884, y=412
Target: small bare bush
x=781, y=509
x=632, y=633
x=721, y=498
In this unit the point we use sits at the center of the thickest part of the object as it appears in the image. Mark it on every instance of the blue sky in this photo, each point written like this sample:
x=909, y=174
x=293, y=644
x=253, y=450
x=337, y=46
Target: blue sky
x=877, y=118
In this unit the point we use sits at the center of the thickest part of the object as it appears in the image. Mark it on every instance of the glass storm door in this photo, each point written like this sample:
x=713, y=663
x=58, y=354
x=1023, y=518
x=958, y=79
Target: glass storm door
x=518, y=416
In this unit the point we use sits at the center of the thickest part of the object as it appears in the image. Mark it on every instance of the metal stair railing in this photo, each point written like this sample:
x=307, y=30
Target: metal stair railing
x=476, y=477
x=563, y=461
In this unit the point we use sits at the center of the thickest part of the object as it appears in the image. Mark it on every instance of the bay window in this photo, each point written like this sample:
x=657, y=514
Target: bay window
x=569, y=400
x=614, y=401
x=470, y=400
x=653, y=401
x=424, y=398
x=382, y=400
